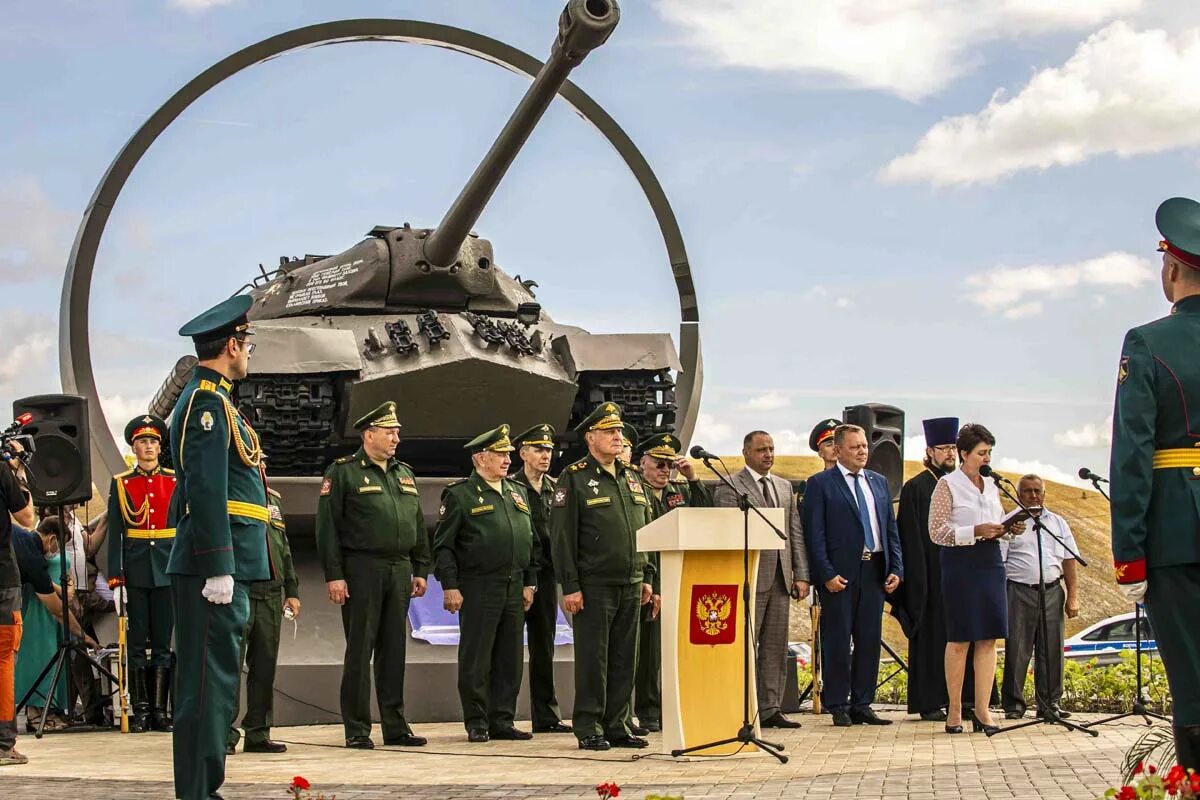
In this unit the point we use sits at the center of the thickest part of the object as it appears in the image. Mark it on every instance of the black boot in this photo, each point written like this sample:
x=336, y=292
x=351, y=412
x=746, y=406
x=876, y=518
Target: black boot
x=1187, y=746
x=159, y=719
x=139, y=698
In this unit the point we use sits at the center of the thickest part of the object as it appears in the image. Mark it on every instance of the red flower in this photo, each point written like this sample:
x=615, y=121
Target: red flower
x=1127, y=793
x=607, y=790
x=1138, y=769
x=1150, y=770
x=299, y=782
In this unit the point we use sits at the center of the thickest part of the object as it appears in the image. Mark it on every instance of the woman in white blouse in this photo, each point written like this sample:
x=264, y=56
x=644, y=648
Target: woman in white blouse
x=965, y=519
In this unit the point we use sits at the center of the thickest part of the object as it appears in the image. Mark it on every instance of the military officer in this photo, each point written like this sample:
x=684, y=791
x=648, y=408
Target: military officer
x=541, y=620
x=657, y=456
x=598, y=507
x=219, y=510
x=270, y=601
x=485, y=555
x=1155, y=470
x=139, y=547
x=820, y=440
x=374, y=549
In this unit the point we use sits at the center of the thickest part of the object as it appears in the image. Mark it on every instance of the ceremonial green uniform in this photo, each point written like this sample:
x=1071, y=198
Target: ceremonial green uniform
x=260, y=642
x=485, y=547
x=1155, y=473
x=594, y=520
x=371, y=533
x=220, y=513
x=541, y=620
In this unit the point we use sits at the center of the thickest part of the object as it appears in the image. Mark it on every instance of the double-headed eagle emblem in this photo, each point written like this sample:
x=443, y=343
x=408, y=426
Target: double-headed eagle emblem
x=712, y=611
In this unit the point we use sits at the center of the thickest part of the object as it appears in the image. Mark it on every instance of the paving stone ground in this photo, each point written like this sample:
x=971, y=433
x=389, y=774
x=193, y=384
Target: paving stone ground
x=910, y=760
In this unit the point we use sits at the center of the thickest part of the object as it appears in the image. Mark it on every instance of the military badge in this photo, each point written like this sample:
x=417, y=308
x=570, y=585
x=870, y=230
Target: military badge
x=634, y=484
x=714, y=614
x=274, y=513
x=560, y=497
x=518, y=500
x=206, y=420
x=674, y=500
x=594, y=485
x=1123, y=370
x=326, y=486
x=366, y=479
x=442, y=511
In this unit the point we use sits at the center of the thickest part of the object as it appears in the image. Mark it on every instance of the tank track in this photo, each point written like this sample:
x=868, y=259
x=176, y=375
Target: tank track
x=294, y=417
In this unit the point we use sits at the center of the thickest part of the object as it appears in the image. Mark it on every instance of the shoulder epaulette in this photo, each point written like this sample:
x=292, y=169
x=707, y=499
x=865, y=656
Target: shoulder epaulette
x=578, y=465
x=456, y=482
x=343, y=460
x=633, y=468
x=553, y=481
x=168, y=471
x=274, y=493
x=406, y=465
x=124, y=474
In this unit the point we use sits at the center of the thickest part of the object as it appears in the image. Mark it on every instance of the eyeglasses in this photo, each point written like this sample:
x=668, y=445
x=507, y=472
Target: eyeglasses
x=662, y=464
x=945, y=448
x=248, y=345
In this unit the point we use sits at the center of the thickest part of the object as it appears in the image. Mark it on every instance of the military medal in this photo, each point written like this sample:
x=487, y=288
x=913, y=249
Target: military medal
x=206, y=420
x=595, y=484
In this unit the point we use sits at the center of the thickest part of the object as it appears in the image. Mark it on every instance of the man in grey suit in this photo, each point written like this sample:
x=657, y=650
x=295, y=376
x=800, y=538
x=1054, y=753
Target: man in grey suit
x=782, y=574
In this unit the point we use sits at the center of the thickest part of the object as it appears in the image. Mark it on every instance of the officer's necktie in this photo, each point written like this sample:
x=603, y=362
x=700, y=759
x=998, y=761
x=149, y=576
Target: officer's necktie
x=766, y=492
x=864, y=516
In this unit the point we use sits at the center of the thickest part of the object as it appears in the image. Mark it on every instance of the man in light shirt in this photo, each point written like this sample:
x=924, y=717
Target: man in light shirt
x=1024, y=639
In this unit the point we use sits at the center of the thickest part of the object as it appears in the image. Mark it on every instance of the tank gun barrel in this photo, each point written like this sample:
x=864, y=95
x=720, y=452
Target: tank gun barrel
x=583, y=26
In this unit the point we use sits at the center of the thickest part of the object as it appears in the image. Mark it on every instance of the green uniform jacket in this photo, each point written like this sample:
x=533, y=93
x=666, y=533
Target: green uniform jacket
x=594, y=519
x=482, y=533
x=366, y=511
x=147, y=497
x=280, y=552
x=540, y=506
x=675, y=494
x=1156, y=512
x=219, y=508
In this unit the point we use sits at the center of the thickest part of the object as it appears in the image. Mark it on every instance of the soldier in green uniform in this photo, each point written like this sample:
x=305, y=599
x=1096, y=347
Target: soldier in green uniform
x=536, y=448
x=374, y=549
x=658, y=455
x=629, y=437
x=270, y=601
x=219, y=511
x=1156, y=470
x=485, y=556
x=139, y=547
x=598, y=507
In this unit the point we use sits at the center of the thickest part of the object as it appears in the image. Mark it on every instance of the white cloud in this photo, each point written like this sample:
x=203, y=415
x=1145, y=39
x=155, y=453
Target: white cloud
x=1123, y=91
x=911, y=49
x=1049, y=472
x=1008, y=290
x=1088, y=435
x=771, y=401
x=118, y=410
x=914, y=447
x=790, y=443
x=200, y=5
x=34, y=235
x=28, y=342
x=716, y=437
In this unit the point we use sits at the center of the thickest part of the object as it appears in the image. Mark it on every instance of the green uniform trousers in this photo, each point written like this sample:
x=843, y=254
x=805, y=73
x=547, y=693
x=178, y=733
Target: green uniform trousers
x=541, y=621
x=606, y=634
x=373, y=619
x=206, y=683
x=151, y=619
x=647, y=679
x=260, y=652
x=1172, y=595
x=490, y=652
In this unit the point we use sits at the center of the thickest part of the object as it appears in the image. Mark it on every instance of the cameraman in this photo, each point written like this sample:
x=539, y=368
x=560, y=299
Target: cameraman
x=16, y=501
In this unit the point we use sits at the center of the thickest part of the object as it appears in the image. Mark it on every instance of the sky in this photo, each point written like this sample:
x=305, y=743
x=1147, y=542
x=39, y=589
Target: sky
x=941, y=205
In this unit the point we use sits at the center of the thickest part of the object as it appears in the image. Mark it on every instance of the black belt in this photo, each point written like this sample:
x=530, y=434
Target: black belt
x=867, y=555
x=1054, y=582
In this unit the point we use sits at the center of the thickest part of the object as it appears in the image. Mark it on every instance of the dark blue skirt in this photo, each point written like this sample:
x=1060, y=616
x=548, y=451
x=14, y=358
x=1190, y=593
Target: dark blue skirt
x=974, y=594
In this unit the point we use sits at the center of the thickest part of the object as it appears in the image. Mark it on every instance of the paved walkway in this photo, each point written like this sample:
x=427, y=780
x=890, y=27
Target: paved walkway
x=910, y=760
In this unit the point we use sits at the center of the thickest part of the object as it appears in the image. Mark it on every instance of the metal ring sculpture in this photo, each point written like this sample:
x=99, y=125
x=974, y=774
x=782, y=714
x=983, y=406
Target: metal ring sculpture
x=74, y=348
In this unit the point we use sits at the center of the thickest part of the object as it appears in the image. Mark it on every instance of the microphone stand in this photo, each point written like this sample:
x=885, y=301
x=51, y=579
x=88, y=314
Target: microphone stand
x=745, y=735
x=1046, y=716
x=1140, y=707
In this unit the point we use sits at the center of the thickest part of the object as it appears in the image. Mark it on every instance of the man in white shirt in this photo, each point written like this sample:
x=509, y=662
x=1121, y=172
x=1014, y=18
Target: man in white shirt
x=1024, y=620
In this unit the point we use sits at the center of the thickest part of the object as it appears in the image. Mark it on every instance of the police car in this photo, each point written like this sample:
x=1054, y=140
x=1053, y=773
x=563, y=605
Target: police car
x=1105, y=640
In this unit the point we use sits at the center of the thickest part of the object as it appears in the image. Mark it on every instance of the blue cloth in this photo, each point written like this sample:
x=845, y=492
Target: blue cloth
x=974, y=592
x=864, y=515
x=834, y=530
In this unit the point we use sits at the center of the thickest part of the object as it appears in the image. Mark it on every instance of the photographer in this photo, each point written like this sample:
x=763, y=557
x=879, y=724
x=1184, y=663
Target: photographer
x=17, y=502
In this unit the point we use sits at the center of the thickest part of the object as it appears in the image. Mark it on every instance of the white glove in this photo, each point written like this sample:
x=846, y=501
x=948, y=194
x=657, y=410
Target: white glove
x=218, y=590
x=120, y=597
x=1133, y=592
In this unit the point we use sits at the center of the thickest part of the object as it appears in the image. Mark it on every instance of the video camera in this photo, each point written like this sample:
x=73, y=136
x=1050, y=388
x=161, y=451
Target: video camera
x=13, y=434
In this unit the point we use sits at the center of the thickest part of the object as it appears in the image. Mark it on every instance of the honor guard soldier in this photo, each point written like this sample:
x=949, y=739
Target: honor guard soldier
x=220, y=514
x=657, y=457
x=1155, y=470
x=820, y=441
x=139, y=547
x=270, y=601
x=485, y=556
x=598, y=507
x=536, y=449
x=374, y=549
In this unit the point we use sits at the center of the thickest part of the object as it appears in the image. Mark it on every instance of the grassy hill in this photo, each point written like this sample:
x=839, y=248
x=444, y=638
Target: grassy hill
x=1085, y=511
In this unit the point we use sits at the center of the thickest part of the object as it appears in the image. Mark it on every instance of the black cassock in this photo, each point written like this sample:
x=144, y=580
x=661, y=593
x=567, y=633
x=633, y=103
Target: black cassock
x=917, y=604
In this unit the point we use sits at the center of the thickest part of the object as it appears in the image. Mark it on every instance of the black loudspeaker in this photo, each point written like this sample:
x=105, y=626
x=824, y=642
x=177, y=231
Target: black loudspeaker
x=60, y=471
x=885, y=435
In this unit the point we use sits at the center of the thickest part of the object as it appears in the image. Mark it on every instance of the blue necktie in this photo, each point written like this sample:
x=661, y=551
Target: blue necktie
x=864, y=516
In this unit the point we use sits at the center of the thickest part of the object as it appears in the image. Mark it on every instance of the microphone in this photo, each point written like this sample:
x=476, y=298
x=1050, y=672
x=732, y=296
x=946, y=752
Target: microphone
x=18, y=423
x=987, y=472
x=1088, y=475
x=699, y=452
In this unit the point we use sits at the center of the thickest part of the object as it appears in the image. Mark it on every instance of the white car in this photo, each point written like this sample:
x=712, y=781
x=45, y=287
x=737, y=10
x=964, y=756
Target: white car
x=1105, y=640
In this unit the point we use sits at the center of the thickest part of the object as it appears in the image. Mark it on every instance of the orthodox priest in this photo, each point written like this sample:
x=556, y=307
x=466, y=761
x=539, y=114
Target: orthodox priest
x=917, y=604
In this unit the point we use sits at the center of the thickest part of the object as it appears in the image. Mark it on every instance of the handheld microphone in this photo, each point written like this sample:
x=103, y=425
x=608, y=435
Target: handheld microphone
x=1088, y=475
x=987, y=472
x=699, y=452
x=18, y=423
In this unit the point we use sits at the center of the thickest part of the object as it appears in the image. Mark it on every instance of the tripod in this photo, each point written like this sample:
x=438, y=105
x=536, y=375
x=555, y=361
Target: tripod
x=60, y=661
x=745, y=734
x=1046, y=716
x=1139, y=708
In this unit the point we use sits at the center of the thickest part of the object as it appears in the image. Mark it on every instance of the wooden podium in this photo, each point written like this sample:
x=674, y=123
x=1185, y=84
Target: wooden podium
x=703, y=623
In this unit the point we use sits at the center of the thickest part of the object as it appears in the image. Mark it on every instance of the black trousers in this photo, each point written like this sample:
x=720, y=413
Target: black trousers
x=606, y=637
x=854, y=614
x=489, y=652
x=1025, y=640
x=541, y=621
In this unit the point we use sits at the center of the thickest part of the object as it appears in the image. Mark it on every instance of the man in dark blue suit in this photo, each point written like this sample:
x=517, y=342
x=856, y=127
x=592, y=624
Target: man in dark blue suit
x=854, y=558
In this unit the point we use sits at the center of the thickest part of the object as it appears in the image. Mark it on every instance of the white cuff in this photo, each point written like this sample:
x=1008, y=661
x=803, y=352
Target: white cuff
x=964, y=536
